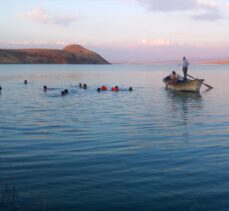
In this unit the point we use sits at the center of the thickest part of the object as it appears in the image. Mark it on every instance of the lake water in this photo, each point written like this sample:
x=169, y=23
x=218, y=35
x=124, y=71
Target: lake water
x=149, y=149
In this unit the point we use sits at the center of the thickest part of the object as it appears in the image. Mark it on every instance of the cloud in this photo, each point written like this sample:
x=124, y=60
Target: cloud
x=35, y=42
x=209, y=9
x=176, y=5
x=63, y=20
x=41, y=16
x=171, y=5
x=56, y=44
x=60, y=43
x=213, y=15
x=36, y=14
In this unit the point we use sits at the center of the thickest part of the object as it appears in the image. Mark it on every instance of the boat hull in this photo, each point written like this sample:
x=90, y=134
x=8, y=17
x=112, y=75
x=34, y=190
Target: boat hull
x=186, y=86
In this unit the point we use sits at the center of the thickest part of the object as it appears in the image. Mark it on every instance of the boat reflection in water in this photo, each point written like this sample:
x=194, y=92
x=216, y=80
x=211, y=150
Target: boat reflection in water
x=184, y=109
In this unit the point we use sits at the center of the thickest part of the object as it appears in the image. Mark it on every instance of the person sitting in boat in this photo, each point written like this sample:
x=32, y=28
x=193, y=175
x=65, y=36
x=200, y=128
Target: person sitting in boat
x=174, y=77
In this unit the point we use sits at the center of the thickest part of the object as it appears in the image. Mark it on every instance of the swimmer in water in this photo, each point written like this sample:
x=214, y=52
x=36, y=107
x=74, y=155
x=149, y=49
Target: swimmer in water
x=85, y=86
x=103, y=88
x=45, y=88
x=65, y=92
x=115, y=89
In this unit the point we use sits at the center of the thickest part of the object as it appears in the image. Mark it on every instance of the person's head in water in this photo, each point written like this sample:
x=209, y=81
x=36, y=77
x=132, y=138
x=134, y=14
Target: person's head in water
x=0, y=88
x=65, y=92
x=45, y=88
x=85, y=86
x=25, y=81
x=99, y=89
x=130, y=89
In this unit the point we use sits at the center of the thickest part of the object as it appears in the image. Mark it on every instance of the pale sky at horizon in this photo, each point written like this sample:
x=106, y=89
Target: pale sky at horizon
x=120, y=30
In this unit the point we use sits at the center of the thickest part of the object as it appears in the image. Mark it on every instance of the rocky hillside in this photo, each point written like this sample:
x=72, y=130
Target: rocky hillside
x=72, y=54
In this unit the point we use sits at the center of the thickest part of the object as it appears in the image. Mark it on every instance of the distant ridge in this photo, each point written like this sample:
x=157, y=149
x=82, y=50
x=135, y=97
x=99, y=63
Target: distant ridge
x=71, y=54
x=222, y=60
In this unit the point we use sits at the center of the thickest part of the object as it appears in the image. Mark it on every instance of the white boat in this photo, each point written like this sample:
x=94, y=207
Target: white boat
x=184, y=85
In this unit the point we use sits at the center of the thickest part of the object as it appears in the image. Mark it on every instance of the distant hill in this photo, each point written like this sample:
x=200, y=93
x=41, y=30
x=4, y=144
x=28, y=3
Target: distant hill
x=71, y=54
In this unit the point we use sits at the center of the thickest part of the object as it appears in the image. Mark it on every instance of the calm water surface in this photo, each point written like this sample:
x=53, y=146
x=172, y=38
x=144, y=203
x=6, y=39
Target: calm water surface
x=149, y=149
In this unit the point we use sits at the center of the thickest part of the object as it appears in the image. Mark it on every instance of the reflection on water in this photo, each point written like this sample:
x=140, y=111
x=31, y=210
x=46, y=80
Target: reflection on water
x=184, y=106
x=150, y=149
x=184, y=103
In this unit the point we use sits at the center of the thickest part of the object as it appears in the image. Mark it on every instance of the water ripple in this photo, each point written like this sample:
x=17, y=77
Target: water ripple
x=149, y=149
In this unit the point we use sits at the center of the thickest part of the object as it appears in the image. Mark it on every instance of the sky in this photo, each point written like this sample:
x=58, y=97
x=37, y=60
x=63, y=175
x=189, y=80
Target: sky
x=120, y=30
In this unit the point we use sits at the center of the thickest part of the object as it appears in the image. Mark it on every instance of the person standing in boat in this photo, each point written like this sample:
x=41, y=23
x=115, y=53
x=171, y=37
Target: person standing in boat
x=185, y=67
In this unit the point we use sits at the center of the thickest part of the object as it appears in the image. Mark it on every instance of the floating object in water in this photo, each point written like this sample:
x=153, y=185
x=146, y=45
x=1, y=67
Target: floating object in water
x=99, y=89
x=0, y=88
x=130, y=89
x=184, y=85
x=80, y=85
x=103, y=88
x=25, y=81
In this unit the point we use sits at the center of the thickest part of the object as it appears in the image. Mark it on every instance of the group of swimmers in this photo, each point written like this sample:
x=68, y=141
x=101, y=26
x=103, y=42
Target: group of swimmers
x=25, y=82
x=113, y=89
x=63, y=92
x=84, y=86
x=99, y=89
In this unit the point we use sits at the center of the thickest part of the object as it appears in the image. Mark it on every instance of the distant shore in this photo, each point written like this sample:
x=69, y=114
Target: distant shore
x=215, y=62
x=207, y=61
